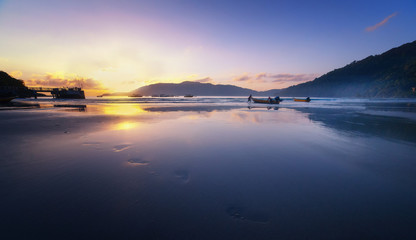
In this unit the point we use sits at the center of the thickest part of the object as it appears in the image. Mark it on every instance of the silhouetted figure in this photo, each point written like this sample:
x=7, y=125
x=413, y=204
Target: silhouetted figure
x=249, y=98
x=277, y=99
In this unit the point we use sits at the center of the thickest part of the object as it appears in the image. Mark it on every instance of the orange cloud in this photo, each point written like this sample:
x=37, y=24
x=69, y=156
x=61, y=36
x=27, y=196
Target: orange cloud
x=204, y=80
x=372, y=28
x=16, y=74
x=52, y=80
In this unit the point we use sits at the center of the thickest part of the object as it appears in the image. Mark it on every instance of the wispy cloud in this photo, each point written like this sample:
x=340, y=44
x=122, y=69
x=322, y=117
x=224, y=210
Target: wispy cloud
x=294, y=78
x=261, y=75
x=277, y=78
x=16, y=74
x=372, y=28
x=242, y=78
x=204, y=80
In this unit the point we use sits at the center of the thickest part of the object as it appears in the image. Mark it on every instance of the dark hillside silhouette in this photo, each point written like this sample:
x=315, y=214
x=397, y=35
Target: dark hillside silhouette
x=391, y=74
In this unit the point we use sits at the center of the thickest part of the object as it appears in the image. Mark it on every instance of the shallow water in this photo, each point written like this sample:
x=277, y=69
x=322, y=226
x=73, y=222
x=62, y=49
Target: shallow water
x=208, y=168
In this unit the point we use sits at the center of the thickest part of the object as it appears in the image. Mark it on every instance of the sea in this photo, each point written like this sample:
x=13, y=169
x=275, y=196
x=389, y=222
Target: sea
x=207, y=168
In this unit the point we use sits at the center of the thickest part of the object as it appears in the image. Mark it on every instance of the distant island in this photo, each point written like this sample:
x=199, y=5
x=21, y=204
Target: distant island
x=194, y=88
x=391, y=74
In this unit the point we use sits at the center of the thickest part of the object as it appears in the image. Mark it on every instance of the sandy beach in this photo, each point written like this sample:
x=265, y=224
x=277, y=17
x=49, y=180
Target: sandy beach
x=208, y=171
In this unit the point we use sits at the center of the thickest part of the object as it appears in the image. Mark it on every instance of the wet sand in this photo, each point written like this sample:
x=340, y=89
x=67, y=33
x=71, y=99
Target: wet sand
x=208, y=172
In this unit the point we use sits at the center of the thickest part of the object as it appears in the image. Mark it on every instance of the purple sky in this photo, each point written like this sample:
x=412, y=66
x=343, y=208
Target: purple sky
x=122, y=45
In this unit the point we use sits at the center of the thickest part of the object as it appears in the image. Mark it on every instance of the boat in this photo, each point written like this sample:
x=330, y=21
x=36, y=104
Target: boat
x=189, y=95
x=6, y=99
x=302, y=100
x=275, y=100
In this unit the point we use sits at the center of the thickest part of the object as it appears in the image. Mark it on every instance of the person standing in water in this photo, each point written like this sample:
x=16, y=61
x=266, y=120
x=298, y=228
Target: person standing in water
x=277, y=99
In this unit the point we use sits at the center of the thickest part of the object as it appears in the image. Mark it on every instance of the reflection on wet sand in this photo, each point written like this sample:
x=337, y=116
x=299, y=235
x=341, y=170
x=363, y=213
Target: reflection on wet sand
x=351, y=121
x=121, y=109
x=362, y=124
x=125, y=125
x=259, y=107
x=200, y=108
x=71, y=107
x=15, y=105
x=149, y=172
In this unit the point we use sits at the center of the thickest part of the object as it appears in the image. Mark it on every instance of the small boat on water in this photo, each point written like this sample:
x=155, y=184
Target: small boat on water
x=189, y=95
x=275, y=100
x=302, y=100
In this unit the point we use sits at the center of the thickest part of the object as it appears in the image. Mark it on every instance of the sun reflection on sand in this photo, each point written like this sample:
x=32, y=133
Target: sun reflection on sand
x=199, y=115
x=125, y=126
x=123, y=109
x=256, y=168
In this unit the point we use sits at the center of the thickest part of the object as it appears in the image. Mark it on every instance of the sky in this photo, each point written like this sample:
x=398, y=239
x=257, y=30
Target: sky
x=114, y=46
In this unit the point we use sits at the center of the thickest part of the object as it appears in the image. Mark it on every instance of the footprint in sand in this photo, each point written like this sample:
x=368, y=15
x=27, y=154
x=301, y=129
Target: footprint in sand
x=235, y=212
x=121, y=147
x=94, y=145
x=240, y=213
x=182, y=175
x=91, y=143
x=138, y=161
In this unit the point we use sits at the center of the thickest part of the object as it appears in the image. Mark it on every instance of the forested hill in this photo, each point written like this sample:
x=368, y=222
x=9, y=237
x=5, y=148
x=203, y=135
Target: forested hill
x=391, y=74
x=7, y=80
x=195, y=88
x=10, y=86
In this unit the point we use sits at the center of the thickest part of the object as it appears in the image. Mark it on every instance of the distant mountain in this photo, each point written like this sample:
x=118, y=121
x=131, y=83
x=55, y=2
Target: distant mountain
x=194, y=88
x=115, y=94
x=391, y=74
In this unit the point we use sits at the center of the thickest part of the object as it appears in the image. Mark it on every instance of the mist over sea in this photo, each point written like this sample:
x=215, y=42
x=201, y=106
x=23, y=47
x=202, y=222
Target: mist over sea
x=207, y=168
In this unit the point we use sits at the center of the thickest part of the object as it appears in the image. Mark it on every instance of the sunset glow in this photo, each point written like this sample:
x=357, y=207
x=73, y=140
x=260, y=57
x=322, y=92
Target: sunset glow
x=110, y=46
x=208, y=119
x=125, y=126
x=122, y=110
